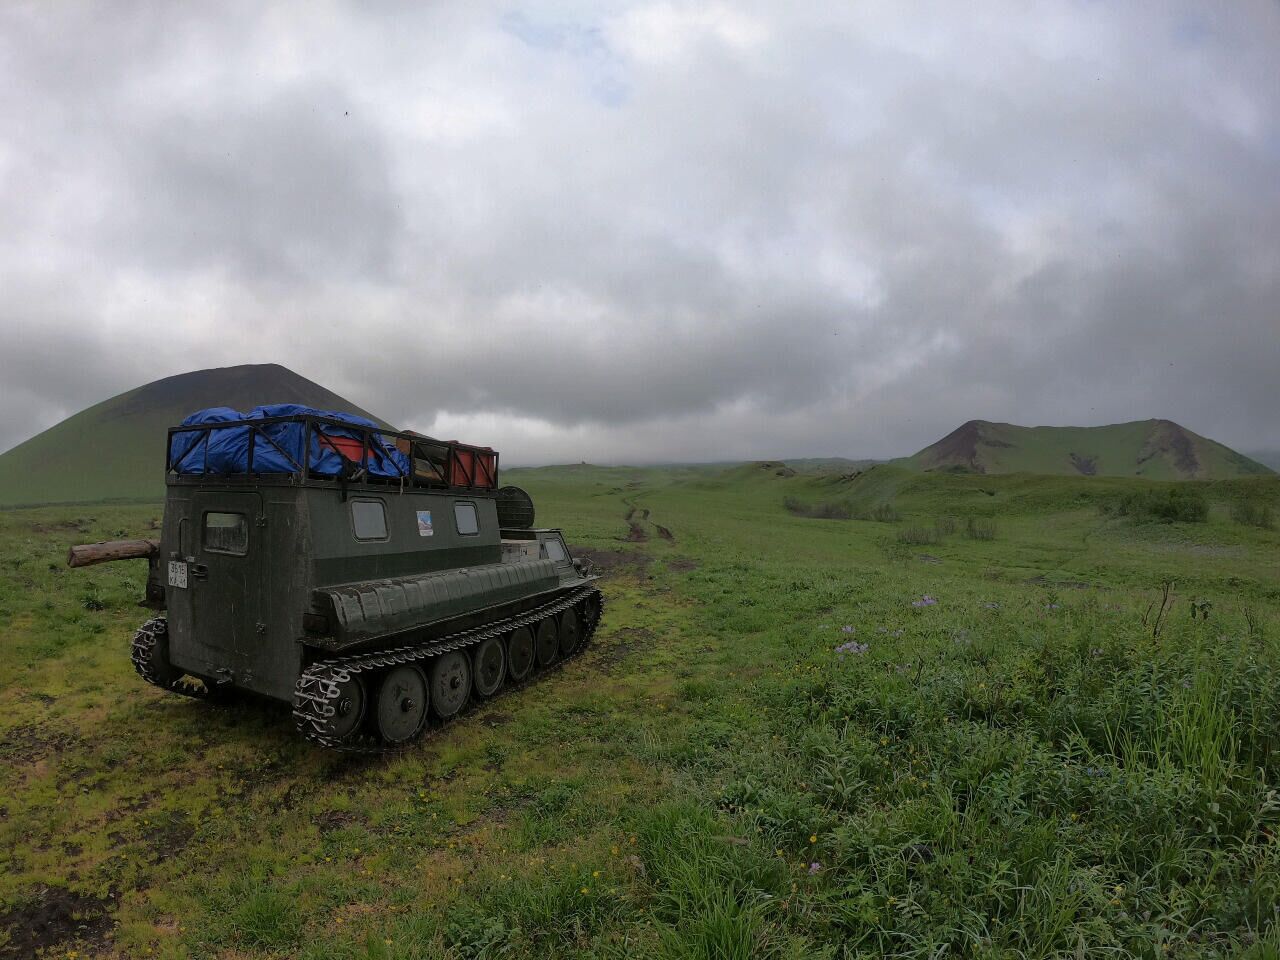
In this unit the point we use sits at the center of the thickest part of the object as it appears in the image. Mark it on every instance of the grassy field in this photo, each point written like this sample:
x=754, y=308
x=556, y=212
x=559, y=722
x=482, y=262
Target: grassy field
x=1001, y=721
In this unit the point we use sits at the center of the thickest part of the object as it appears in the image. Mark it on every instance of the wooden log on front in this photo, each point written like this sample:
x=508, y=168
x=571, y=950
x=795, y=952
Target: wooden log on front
x=86, y=554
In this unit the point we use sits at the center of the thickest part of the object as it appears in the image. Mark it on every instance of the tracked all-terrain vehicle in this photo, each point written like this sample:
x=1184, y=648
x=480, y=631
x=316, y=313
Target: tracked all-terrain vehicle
x=378, y=581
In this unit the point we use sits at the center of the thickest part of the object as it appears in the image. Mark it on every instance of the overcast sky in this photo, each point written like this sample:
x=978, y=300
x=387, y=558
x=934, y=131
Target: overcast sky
x=652, y=231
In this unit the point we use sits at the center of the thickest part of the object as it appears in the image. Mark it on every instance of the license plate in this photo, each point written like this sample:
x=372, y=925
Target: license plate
x=178, y=573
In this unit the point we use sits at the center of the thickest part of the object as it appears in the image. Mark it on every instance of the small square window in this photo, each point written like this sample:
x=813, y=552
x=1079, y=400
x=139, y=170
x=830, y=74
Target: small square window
x=369, y=519
x=226, y=533
x=555, y=549
x=464, y=516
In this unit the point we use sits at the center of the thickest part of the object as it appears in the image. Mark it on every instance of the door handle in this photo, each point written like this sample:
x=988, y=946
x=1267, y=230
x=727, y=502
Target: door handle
x=200, y=571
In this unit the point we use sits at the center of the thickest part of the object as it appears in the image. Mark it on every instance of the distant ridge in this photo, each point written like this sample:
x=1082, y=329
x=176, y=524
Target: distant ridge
x=1155, y=449
x=115, y=449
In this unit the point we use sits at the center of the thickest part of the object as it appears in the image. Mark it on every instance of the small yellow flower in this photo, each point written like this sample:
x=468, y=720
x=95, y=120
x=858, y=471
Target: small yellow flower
x=595, y=873
x=813, y=838
x=614, y=849
x=1075, y=816
x=584, y=891
x=633, y=839
x=778, y=851
x=387, y=941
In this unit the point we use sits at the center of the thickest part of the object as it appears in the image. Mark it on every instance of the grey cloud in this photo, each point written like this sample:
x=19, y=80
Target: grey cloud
x=653, y=231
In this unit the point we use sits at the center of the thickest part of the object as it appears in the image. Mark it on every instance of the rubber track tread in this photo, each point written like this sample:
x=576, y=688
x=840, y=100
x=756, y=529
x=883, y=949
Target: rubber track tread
x=143, y=653
x=318, y=686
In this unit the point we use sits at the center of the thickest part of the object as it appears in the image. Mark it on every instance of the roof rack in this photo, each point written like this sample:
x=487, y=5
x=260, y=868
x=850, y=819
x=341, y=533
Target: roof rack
x=310, y=448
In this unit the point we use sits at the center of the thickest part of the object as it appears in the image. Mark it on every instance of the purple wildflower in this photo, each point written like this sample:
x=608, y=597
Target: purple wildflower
x=814, y=868
x=1053, y=606
x=925, y=601
x=846, y=629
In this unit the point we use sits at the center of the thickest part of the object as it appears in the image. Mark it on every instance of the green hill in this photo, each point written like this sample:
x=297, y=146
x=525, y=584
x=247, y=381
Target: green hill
x=115, y=449
x=1269, y=458
x=1155, y=449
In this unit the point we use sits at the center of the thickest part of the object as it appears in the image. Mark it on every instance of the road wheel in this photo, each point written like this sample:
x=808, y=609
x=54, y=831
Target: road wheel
x=402, y=704
x=489, y=665
x=520, y=654
x=570, y=632
x=450, y=684
x=349, y=706
x=547, y=641
x=590, y=610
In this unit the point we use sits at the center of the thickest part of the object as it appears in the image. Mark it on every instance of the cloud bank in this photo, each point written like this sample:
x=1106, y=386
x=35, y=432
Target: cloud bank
x=652, y=231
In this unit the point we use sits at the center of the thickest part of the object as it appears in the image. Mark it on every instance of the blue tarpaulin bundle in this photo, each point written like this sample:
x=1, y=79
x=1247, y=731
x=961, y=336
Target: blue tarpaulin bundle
x=278, y=447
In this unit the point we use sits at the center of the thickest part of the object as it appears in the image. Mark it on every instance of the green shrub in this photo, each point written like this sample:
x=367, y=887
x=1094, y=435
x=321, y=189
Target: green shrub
x=885, y=513
x=1253, y=514
x=919, y=536
x=1175, y=504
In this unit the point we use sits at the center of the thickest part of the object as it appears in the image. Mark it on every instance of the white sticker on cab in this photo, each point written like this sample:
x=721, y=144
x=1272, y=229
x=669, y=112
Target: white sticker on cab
x=424, y=523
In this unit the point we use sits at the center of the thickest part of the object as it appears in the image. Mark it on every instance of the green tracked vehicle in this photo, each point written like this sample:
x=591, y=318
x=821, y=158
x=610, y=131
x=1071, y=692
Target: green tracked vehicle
x=380, y=582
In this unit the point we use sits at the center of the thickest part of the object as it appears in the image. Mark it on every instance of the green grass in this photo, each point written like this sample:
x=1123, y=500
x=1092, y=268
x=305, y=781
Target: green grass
x=1036, y=764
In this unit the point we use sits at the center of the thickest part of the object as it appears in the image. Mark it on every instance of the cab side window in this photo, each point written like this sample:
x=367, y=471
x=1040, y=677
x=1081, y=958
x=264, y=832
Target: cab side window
x=465, y=519
x=226, y=533
x=369, y=519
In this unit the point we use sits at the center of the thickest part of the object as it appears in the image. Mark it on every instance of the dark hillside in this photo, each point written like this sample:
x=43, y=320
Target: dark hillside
x=115, y=449
x=1154, y=449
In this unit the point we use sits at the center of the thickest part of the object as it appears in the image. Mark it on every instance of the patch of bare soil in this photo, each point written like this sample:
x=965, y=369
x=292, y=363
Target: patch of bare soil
x=619, y=647
x=958, y=446
x=683, y=565
x=636, y=533
x=332, y=820
x=54, y=526
x=56, y=918
x=616, y=561
x=1170, y=439
x=664, y=533
x=1088, y=466
x=168, y=836
x=31, y=742
x=495, y=718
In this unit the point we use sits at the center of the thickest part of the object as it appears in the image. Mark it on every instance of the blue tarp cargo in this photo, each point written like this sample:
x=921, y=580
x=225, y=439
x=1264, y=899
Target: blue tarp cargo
x=219, y=442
